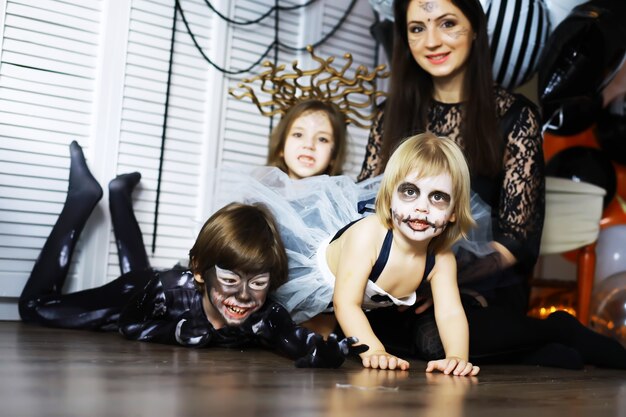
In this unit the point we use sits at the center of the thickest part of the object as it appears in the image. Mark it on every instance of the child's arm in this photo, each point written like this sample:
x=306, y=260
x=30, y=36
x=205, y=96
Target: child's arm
x=450, y=318
x=277, y=330
x=351, y=278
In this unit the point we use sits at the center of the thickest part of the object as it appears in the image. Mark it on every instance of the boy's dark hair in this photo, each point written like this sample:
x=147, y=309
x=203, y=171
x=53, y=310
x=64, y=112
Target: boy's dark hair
x=243, y=238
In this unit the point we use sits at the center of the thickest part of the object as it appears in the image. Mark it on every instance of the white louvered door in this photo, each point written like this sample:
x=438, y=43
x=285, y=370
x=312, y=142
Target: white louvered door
x=187, y=135
x=96, y=71
x=47, y=85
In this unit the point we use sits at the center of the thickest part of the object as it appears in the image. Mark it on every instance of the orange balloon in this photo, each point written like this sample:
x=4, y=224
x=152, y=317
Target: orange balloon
x=553, y=144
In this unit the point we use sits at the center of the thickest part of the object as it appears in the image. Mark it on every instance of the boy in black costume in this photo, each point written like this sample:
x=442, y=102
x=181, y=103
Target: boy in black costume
x=237, y=259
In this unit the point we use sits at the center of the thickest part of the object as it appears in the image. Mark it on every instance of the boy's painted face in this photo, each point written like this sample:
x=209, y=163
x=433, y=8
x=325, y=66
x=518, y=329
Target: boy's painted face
x=440, y=37
x=421, y=208
x=309, y=145
x=231, y=297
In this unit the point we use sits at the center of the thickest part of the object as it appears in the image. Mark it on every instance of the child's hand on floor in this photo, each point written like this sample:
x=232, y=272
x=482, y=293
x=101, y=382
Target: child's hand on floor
x=379, y=359
x=454, y=366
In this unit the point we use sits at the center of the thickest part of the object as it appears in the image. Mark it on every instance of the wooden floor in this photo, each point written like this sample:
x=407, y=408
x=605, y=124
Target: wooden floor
x=51, y=372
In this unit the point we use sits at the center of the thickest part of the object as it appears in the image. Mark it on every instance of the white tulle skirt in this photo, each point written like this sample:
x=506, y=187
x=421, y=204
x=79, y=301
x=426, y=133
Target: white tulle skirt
x=478, y=240
x=308, y=212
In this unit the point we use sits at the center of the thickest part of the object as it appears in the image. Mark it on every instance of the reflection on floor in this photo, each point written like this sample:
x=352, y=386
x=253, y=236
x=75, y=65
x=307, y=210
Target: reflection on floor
x=51, y=372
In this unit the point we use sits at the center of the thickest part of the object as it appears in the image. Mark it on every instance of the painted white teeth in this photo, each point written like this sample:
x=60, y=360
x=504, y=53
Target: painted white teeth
x=236, y=310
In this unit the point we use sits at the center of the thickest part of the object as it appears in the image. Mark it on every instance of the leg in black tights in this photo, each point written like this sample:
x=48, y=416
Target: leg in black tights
x=41, y=300
x=500, y=335
x=130, y=246
x=50, y=269
x=495, y=330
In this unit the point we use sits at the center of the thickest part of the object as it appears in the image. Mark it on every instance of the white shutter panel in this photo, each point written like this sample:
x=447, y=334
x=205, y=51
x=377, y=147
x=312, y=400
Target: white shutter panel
x=246, y=131
x=47, y=72
x=353, y=37
x=142, y=122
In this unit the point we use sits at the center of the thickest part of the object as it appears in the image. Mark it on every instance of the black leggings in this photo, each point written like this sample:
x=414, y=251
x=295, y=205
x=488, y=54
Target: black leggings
x=41, y=300
x=93, y=309
x=501, y=334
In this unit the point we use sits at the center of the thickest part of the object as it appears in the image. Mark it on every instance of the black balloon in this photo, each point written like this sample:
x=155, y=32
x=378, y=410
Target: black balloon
x=585, y=164
x=581, y=55
x=611, y=130
x=571, y=115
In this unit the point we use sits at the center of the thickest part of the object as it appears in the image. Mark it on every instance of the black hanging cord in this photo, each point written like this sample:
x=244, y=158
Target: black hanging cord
x=167, y=106
x=276, y=49
x=276, y=43
x=276, y=31
x=259, y=19
x=199, y=48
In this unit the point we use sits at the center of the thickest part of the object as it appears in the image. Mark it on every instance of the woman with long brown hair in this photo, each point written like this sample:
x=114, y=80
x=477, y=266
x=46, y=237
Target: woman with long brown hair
x=441, y=82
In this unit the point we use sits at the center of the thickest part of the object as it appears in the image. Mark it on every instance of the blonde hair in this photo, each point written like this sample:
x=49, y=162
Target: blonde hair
x=337, y=122
x=430, y=155
x=240, y=237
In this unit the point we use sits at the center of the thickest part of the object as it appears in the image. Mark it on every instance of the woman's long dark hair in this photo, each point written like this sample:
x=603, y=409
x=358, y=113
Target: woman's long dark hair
x=411, y=94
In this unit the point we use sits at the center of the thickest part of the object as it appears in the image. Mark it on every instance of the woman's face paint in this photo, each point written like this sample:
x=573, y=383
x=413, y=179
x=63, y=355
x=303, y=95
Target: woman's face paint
x=234, y=296
x=421, y=208
x=440, y=38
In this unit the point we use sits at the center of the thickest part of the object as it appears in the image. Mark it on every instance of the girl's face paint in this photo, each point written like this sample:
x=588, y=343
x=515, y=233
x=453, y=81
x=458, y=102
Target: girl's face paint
x=421, y=208
x=234, y=296
x=440, y=38
x=309, y=145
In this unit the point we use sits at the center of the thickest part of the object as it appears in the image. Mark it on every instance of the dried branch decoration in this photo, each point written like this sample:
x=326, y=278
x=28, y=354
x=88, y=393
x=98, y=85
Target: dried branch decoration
x=355, y=96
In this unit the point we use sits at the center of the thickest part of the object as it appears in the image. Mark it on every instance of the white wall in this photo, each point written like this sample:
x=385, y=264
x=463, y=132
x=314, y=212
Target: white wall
x=96, y=71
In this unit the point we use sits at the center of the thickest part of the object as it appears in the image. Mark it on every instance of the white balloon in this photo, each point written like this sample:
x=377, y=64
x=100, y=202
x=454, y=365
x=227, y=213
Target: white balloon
x=608, y=307
x=610, y=252
x=559, y=9
x=518, y=30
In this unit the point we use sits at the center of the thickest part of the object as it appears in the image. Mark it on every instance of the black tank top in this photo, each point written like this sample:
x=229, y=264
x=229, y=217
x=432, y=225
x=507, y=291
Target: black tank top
x=383, y=256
